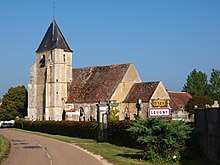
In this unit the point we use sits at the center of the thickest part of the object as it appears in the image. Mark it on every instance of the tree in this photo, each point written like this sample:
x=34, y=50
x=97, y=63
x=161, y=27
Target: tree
x=114, y=116
x=199, y=101
x=196, y=84
x=215, y=85
x=14, y=103
x=162, y=141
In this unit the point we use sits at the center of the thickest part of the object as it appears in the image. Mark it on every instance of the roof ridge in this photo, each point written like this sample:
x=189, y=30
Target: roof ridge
x=177, y=92
x=87, y=67
x=147, y=82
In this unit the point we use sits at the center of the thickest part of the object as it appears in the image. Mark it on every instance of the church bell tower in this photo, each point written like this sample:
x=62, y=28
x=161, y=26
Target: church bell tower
x=50, y=76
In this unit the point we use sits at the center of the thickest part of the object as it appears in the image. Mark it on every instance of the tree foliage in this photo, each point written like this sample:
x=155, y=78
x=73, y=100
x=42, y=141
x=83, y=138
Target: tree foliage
x=163, y=141
x=114, y=114
x=203, y=92
x=14, y=103
x=199, y=101
x=196, y=83
x=214, y=90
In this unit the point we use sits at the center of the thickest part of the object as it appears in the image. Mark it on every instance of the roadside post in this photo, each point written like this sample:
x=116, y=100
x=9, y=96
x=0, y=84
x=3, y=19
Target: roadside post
x=138, y=106
x=103, y=111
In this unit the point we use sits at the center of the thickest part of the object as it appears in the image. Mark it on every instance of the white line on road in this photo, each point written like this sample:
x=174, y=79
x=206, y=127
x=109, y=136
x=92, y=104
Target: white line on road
x=48, y=155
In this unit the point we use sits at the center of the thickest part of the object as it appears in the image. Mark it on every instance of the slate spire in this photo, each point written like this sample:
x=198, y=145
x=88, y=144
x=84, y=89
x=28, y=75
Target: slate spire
x=53, y=39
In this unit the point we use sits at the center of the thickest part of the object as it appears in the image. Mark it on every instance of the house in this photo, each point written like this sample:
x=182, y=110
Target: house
x=148, y=92
x=178, y=100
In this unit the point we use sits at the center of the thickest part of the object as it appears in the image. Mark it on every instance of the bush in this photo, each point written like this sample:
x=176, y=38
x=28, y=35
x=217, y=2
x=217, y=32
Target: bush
x=81, y=129
x=162, y=141
x=118, y=134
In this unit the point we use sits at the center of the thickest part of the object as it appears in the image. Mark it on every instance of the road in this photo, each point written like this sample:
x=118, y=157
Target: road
x=30, y=149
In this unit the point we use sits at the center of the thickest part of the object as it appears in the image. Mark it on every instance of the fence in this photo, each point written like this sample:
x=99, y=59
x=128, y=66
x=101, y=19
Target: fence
x=207, y=122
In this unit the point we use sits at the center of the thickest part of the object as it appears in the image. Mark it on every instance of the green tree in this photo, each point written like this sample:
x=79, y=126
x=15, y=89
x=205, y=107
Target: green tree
x=199, y=101
x=14, y=103
x=162, y=141
x=114, y=113
x=214, y=91
x=196, y=84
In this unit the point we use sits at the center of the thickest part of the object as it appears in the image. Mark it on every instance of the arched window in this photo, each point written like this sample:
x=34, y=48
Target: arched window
x=42, y=61
x=127, y=113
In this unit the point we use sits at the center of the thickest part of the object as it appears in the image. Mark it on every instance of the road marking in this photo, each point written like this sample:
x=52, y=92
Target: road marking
x=48, y=155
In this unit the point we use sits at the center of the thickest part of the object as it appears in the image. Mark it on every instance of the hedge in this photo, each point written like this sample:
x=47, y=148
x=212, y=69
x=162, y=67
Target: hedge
x=118, y=134
x=117, y=130
x=81, y=129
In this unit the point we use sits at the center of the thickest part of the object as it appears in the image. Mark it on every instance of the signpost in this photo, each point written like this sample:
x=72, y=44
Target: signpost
x=102, y=117
x=159, y=103
x=159, y=112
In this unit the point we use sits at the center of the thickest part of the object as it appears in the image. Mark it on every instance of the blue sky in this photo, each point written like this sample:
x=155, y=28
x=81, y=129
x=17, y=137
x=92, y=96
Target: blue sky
x=164, y=39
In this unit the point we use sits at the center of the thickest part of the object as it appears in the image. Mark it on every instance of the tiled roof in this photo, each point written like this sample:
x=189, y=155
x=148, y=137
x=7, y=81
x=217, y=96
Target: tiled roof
x=98, y=83
x=143, y=91
x=178, y=99
x=53, y=39
x=72, y=110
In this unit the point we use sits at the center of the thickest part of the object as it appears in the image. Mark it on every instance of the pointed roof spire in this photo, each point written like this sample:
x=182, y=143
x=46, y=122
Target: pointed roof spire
x=53, y=39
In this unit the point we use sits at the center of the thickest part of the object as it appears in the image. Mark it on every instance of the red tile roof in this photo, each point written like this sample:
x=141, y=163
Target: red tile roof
x=97, y=83
x=178, y=99
x=142, y=91
x=71, y=110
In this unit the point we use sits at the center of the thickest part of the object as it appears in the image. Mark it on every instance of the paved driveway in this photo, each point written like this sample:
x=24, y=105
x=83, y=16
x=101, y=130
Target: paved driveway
x=30, y=149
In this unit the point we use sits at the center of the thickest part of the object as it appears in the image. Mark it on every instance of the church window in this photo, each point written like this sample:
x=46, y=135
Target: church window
x=64, y=58
x=57, y=93
x=57, y=80
x=42, y=61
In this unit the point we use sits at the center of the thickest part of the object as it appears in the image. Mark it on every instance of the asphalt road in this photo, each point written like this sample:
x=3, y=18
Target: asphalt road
x=30, y=149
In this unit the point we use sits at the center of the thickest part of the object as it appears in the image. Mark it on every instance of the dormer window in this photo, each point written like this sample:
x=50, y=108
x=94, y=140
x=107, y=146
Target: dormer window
x=42, y=61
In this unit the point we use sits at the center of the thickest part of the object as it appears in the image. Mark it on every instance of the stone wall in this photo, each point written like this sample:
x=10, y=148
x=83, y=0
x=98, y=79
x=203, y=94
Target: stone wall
x=207, y=122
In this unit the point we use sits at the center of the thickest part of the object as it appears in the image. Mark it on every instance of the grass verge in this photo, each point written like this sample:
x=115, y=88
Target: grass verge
x=4, y=148
x=116, y=155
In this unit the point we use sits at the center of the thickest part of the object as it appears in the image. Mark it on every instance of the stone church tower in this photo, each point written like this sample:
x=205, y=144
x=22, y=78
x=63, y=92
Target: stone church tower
x=50, y=77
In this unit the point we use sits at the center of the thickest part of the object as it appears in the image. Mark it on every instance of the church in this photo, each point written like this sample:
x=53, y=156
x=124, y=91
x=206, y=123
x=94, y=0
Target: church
x=57, y=91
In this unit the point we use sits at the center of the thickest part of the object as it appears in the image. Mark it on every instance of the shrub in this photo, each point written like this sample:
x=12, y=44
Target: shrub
x=118, y=134
x=199, y=101
x=162, y=141
x=81, y=129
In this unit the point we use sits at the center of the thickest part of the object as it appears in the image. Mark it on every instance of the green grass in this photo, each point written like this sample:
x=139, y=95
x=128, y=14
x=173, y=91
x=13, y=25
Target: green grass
x=115, y=154
x=112, y=153
x=4, y=148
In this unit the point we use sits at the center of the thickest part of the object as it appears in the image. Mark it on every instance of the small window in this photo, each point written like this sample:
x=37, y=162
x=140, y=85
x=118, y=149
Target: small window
x=57, y=80
x=57, y=93
x=64, y=58
x=42, y=61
